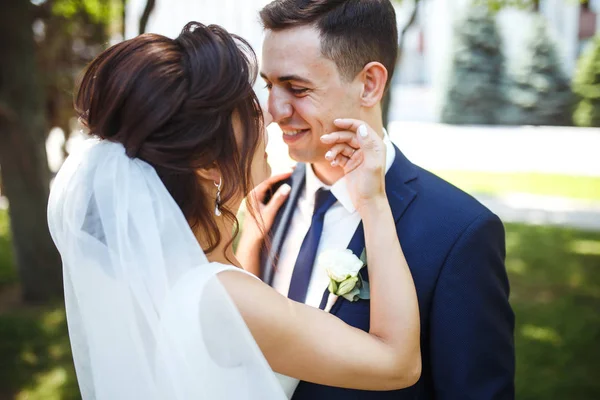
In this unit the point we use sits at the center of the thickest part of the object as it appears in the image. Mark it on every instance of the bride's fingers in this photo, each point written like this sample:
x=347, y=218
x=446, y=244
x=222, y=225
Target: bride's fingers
x=260, y=191
x=372, y=148
x=276, y=178
x=270, y=210
x=349, y=124
x=347, y=137
x=340, y=161
x=369, y=142
x=340, y=148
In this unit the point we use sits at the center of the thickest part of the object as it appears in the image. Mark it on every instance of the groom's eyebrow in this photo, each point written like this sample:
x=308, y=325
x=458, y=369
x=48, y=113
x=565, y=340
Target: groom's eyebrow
x=287, y=78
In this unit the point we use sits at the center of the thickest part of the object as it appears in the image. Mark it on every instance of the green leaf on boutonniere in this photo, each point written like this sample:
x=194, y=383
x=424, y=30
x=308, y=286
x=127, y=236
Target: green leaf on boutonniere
x=347, y=286
x=363, y=256
x=352, y=295
x=365, y=292
x=333, y=286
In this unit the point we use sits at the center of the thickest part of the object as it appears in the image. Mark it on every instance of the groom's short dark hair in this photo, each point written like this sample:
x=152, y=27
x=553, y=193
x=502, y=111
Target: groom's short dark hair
x=353, y=32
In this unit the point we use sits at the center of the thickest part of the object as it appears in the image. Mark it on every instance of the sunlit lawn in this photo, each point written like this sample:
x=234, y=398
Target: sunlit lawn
x=36, y=356
x=575, y=187
x=555, y=280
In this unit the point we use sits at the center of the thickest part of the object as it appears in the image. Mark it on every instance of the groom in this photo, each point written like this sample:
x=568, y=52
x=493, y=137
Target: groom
x=328, y=59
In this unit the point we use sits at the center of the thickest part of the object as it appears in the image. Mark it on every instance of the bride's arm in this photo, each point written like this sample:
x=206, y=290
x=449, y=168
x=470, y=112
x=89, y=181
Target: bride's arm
x=315, y=346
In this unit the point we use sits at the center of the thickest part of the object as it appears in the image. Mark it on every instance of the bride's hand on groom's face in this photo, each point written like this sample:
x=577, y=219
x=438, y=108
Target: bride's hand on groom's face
x=360, y=152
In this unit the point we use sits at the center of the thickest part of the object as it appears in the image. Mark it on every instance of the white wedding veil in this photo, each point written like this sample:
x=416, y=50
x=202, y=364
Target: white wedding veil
x=147, y=316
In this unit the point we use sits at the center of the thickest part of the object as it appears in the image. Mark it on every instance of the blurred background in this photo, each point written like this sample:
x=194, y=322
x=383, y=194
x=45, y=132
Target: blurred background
x=500, y=97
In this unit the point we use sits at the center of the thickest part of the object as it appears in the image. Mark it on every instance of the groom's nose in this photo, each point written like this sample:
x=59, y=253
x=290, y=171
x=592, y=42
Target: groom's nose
x=279, y=106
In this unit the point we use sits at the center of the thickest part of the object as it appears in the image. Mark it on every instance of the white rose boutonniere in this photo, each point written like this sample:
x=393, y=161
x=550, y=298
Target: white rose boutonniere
x=343, y=268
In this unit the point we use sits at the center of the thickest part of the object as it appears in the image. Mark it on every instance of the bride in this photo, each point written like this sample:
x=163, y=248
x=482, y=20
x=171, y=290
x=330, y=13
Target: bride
x=158, y=305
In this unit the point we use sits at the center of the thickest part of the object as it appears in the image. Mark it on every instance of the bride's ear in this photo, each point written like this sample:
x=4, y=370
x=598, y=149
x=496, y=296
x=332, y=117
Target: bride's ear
x=211, y=174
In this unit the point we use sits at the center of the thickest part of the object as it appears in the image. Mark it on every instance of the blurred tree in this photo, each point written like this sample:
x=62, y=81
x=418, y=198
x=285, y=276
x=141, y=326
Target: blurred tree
x=586, y=84
x=44, y=45
x=146, y=15
x=25, y=174
x=387, y=98
x=68, y=35
x=539, y=91
x=497, y=5
x=475, y=89
x=492, y=5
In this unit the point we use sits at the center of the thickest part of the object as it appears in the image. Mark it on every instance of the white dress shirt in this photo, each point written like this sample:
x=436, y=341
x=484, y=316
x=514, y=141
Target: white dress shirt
x=341, y=221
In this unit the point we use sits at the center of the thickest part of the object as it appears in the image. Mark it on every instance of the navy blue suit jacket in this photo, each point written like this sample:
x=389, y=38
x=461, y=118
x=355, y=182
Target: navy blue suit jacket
x=455, y=249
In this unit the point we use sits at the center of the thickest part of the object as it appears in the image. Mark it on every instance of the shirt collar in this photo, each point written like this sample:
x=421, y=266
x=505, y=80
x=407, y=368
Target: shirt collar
x=339, y=188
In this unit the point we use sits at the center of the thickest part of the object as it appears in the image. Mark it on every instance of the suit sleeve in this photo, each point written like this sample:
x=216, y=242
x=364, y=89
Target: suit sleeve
x=472, y=323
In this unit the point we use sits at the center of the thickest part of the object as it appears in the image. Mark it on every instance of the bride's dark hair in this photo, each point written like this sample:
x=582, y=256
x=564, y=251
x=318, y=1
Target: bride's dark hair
x=170, y=102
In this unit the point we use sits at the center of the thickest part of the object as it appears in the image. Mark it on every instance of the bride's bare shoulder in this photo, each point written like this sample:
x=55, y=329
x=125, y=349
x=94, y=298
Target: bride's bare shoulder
x=235, y=278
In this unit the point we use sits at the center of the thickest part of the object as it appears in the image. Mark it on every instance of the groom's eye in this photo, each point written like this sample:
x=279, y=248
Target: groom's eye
x=297, y=90
x=268, y=86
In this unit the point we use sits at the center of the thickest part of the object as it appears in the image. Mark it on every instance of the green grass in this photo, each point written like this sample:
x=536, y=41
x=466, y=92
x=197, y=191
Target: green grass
x=36, y=355
x=576, y=187
x=555, y=292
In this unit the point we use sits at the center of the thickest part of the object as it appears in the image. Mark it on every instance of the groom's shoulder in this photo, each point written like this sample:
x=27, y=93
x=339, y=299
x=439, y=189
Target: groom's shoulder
x=440, y=197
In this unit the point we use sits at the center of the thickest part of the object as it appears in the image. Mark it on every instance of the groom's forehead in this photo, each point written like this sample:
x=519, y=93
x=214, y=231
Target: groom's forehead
x=304, y=38
x=293, y=45
x=293, y=52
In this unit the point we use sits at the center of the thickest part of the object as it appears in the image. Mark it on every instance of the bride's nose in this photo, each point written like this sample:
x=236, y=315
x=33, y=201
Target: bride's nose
x=267, y=116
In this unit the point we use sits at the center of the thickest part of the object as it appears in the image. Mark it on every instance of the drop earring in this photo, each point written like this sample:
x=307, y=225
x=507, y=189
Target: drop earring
x=218, y=200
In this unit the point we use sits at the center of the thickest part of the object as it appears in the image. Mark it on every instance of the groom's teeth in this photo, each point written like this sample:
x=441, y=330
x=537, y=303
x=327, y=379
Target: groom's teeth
x=293, y=133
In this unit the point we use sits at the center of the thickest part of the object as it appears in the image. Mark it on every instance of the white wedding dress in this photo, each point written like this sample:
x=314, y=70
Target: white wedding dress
x=147, y=315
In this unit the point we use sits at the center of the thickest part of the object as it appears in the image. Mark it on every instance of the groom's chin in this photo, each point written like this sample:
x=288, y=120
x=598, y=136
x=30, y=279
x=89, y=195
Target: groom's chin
x=298, y=158
x=303, y=155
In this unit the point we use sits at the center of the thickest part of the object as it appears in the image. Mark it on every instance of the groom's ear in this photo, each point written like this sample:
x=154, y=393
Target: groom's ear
x=374, y=78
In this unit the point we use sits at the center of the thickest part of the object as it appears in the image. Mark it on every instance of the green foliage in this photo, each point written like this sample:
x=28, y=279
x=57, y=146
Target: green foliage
x=8, y=273
x=586, y=84
x=474, y=93
x=74, y=32
x=98, y=11
x=539, y=91
x=497, y=5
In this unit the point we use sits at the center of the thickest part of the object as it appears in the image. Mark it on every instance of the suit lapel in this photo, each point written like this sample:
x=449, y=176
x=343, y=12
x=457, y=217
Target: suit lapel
x=282, y=222
x=399, y=193
x=400, y=196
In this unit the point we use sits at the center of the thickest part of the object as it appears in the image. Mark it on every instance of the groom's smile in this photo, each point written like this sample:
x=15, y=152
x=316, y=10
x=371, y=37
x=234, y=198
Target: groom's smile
x=306, y=91
x=291, y=136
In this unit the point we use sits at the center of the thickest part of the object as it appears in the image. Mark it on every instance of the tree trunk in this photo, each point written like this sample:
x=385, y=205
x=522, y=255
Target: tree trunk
x=24, y=166
x=146, y=15
x=123, y=18
x=386, y=102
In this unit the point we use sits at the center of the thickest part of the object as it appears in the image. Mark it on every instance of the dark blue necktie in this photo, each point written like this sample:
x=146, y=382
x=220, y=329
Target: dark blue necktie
x=308, y=251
